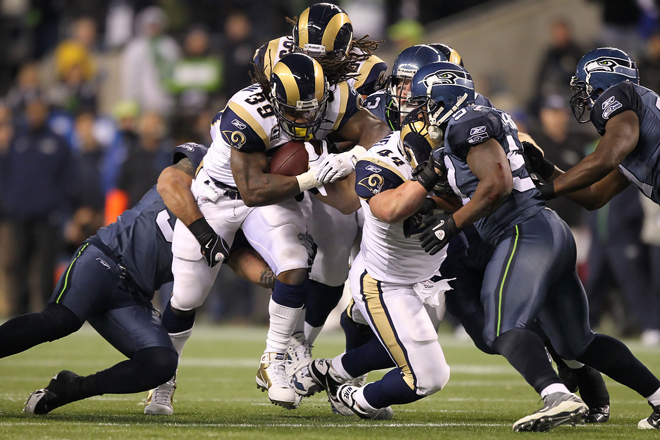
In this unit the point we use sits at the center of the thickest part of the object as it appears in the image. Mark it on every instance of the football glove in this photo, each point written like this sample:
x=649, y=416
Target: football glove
x=425, y=173
x=537, y=161
x=416, y=219
x=214, y=248
x=337, y=166
x=442, y=228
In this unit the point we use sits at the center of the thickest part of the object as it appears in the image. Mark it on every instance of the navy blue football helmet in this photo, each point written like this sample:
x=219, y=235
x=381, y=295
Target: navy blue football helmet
x=438, y=91
x=299, y=95
x=406, y=64
x=597, y=71
x=324, y=30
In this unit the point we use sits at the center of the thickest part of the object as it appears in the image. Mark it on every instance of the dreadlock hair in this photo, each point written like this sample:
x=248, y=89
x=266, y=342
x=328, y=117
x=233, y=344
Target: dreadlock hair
x=258, y=76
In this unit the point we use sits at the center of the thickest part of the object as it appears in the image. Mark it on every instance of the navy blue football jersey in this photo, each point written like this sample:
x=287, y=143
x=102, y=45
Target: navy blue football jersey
x=472, y=126
x=641, y=166
x=141, y=237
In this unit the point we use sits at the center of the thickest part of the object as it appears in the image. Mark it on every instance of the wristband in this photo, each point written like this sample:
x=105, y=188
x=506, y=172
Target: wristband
x=201, y=229
x=307, y=180
x=357, y=152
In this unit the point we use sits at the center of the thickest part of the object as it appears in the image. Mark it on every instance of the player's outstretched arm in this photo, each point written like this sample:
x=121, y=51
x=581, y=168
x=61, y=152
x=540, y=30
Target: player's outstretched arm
x=592, y=197
x=363, y=128
x=620, y=139
x=174, y=187
x=258, y=188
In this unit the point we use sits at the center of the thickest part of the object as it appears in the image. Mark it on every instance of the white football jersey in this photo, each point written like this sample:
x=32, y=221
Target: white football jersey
x=249, y=124
x=388, y=255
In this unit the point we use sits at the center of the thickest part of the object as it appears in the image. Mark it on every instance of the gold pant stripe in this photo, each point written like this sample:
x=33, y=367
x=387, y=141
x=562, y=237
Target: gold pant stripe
x=373, y=300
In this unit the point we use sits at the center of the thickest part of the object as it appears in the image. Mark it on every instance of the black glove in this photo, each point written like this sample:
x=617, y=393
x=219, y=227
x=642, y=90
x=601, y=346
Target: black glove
x=415, y=220
x=308, y=241
x=547, y=190
x=539, y=164
x=214, y=248
x=441, y=230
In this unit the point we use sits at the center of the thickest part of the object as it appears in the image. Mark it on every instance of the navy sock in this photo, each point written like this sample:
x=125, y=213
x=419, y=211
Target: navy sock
x=55, y=321
x=368, y=357
x=290, y=295
x=177, y=323
x=390, y=390
x=149, y=368
x=610, y=356
x=321, y=300
x=355, y=334
x=525, y=351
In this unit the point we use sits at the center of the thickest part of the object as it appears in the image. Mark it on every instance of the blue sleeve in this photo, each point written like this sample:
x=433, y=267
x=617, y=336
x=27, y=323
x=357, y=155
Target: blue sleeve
x=371, y=179
x=473, y=129
x=617, y=99
x=194, y=152
x=238, y=133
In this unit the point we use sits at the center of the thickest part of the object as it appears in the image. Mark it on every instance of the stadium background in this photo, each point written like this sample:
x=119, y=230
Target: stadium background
x=518, y=51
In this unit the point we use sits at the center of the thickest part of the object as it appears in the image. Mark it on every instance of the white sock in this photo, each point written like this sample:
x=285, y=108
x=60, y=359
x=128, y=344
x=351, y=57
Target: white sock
x=360, y=400
x=554, y=388
x=654, y=399
x=282, y=324
x=300, y=324
x=180, y=339
x=311, y=333
x=339, y=367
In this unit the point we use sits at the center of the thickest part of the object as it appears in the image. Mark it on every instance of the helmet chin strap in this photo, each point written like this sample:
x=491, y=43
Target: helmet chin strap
x=435, y=132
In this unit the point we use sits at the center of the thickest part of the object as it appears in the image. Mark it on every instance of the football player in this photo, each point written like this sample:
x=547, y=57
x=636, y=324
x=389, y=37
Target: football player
x=110, y=283
x=233, y=191
x=397, y=288
x=531, y=274
x=607, y=93
x=324, y=31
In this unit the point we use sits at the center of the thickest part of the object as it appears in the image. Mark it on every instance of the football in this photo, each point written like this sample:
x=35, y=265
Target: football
x=290, y=159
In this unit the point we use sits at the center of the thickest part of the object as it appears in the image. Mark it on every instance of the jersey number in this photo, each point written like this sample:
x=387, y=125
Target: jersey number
x=265, y=110
x=164, y=225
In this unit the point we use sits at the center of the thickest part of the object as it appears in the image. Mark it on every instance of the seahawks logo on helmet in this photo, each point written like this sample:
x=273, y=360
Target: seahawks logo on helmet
x=607, y=64
x=440, y=78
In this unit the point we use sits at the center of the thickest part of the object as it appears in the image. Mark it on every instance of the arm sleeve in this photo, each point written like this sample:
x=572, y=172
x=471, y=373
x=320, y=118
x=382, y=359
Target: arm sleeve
x=475, y=129
x=615, y=100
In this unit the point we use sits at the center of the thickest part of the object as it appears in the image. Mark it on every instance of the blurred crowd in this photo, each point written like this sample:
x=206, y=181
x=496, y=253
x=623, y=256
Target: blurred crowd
x=94, y=94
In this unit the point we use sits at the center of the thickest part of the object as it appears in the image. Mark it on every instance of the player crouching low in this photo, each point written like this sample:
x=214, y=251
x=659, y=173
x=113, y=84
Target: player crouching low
x=397, y=288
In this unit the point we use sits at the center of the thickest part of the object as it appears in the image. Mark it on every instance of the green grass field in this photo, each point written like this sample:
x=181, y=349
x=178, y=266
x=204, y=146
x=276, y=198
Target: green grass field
x=217, y=397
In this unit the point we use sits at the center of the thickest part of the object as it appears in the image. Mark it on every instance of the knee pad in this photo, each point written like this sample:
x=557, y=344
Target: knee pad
x=157, y=365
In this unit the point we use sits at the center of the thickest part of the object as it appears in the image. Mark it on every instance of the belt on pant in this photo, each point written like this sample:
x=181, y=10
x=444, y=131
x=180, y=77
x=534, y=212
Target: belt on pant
x=230, y=191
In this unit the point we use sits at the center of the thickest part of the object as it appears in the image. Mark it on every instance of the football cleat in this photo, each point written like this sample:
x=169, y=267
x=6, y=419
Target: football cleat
x=346, y=395
x=326, y=378
x=652, y=421
x=559, y=409
x=271, y=377
x=299, y=353
x=160, y=399
x=599, y=414
x=53, y=396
